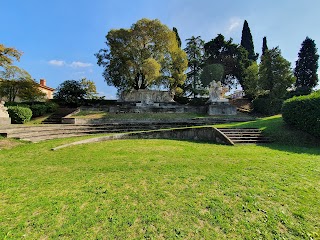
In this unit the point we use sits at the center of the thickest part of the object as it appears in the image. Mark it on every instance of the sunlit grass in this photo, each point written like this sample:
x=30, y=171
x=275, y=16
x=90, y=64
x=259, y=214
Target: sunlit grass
x=161, y=189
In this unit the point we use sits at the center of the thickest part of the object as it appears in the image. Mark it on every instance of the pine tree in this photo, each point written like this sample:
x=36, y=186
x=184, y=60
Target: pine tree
x=307, y=65
x=195, y=53
x=177, y=36
x=247, y=42
x=264, y=46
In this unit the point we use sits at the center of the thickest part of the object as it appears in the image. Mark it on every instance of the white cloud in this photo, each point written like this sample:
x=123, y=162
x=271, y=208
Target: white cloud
x=234, y=24
x=58, y=63
x=80, y=64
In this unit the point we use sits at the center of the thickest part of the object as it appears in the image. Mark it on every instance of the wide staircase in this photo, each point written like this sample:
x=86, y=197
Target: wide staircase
x=245, y=135
x=56, y=117
x=53, y=131
x=43, y=132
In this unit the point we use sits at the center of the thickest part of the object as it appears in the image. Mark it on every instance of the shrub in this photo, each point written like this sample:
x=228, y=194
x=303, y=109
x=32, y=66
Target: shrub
x=51, y=107
x=303, y=113
x=38, y=110
x=267, y=106
x=19, y=114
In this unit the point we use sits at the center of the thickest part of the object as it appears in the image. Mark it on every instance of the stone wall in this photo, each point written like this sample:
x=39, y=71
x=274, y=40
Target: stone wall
x=146, y=96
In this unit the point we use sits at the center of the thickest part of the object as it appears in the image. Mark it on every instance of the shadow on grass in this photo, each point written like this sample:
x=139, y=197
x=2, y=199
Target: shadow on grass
x=285, y=138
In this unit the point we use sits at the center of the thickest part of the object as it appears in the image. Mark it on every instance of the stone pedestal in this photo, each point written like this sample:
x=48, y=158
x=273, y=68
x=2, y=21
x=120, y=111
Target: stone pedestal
x=5, y=121
x=4, y=116
x=221, y=108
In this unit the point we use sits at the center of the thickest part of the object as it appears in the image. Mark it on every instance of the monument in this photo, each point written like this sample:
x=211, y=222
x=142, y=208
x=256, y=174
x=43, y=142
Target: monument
x=145, y=97
x=218, y=104
x=4, y=116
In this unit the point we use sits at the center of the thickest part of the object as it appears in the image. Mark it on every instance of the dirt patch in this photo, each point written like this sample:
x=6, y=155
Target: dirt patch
x=8, y=144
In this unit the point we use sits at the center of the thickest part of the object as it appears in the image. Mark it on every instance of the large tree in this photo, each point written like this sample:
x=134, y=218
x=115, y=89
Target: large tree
x=143, y=56
x=233, y=58
x=275, y=74
x=71, y=92
x=7, y=55
x=247, y=42
x=16, y=82
x=307, y=65
x=195, y=53
x=90, y=88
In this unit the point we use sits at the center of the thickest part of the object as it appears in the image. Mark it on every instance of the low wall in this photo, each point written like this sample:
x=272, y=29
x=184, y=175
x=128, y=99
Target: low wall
x=207, y=134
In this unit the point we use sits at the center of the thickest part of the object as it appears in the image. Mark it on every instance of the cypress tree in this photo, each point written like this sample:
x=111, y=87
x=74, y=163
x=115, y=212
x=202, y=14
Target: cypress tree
x=177, y=36
x=247, y=42
x=307, y=65
x=264, y=46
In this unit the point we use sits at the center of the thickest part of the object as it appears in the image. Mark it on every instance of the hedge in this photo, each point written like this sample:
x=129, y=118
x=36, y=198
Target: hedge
x=38, y=108
x=19, y=114
x=303, y=113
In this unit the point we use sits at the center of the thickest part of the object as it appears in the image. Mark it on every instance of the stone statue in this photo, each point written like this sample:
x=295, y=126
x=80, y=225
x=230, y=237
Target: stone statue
x=216, y=92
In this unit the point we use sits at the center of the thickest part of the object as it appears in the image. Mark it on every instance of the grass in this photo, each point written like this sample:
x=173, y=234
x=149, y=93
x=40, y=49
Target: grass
x=161, y=189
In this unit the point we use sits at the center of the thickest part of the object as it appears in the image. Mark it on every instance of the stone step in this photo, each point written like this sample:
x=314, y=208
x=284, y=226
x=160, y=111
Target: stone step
x=245, y=135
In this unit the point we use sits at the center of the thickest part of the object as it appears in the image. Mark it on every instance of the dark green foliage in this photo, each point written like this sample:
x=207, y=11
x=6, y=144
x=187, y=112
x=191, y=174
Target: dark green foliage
x=247, y=42
x=19, y=114
x=264, y=46
x=177, y=36
x=195, y=54
x=307, y=65
x=275, y=74
x=71, y=93
x=51, y=107
x=212, y=72
x=303, y=113
x=38, y=110
x=267, y=106
x=233, y=57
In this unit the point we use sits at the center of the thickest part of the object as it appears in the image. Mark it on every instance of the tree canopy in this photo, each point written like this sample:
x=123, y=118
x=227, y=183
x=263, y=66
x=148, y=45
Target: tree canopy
x=231, y=56
x=247, y=42
x=195, y=53
x=7, y=55
x=144, y=56
x=275, y=74
x=307, y=65
x=73, y=92
x=16, y=82
x=264, y=46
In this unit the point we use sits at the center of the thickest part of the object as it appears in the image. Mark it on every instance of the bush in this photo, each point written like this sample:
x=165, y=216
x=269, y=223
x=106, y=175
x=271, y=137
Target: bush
x=303, y=113
x=19, y=114
x=267, y=106
x=38, y=110
x=51, y=107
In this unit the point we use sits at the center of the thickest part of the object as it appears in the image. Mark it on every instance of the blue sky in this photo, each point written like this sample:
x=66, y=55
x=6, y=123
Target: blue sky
x=59, y=38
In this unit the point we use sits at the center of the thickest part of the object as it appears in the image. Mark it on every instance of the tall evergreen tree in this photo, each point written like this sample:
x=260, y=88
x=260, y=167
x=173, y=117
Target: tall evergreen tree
x=264, y=46
x=195, y=55
x=275, y=74
x=307, y=65
x=247, y=42
x=177, y=36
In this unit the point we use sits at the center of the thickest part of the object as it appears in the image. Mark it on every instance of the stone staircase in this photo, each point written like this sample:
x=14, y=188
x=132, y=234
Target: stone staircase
x=245, y=135
x=54, y=131
x=56, y=117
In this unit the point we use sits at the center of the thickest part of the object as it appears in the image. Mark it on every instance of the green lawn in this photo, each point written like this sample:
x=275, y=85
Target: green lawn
x=162, y=189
